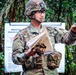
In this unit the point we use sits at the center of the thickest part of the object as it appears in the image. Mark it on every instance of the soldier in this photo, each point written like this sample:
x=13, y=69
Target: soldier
x=22, y=55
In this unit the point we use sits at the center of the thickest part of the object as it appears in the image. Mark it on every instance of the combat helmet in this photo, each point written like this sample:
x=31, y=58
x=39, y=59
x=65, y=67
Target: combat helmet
x=34, y=5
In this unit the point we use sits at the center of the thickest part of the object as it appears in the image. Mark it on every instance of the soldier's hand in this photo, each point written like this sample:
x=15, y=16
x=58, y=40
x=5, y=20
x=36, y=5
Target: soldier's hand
x=73, y=28
x=30, y=52
x=40, y=48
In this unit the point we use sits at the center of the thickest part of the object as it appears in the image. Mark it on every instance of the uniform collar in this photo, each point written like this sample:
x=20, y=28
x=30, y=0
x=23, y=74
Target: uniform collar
x=35, y=30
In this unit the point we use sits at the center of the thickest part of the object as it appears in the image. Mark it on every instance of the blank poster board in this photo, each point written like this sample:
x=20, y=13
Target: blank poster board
x=10, y=31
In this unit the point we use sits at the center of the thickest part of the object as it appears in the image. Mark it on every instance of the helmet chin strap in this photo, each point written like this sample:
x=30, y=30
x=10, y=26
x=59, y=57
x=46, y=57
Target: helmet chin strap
x=36, y=19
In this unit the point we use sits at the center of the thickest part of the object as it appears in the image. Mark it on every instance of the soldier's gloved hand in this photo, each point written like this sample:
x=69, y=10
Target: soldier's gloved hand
x=40, y=48
x=30, y=52
x=73, y=28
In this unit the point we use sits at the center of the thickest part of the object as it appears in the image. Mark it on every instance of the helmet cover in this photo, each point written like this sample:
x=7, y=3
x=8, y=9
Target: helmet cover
x=34, y=5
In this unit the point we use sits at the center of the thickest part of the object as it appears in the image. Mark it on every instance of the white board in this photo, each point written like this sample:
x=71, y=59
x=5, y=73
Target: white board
x=11, y=29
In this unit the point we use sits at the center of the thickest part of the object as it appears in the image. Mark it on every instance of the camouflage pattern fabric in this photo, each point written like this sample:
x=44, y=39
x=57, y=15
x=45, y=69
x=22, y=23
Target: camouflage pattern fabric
x=31, y=64
x=39, y=48
x=53, y=60
x=33, y=5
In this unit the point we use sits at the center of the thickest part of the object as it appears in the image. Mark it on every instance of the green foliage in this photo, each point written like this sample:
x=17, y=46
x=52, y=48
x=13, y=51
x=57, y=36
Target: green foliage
x=74, y=16
x=2, y=3
x=1, y=63
x=61, y=11
x=69, y=62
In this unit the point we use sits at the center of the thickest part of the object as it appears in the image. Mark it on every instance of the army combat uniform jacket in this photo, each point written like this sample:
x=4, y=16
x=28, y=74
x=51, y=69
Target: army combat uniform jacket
x=31, y=65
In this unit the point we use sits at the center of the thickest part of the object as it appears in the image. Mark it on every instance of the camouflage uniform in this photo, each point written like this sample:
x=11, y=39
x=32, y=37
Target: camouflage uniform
x=37, y=65
x=19, y=48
